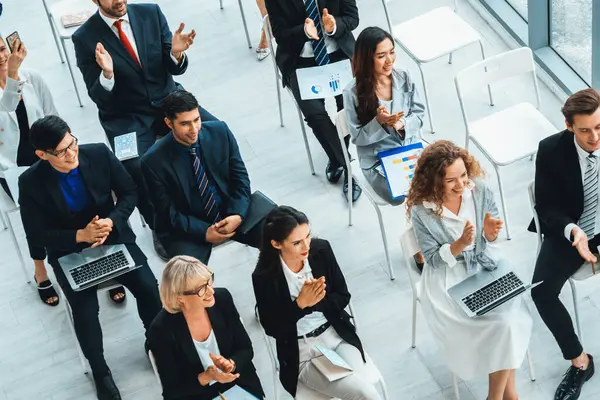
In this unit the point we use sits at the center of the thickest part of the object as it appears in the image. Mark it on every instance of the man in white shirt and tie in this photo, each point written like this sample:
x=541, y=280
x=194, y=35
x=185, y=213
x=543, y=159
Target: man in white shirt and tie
x=128, y=57
x=566, y=193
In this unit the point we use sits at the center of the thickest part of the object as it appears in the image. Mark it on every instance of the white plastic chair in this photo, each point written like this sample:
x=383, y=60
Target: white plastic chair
x=243, y=20
x=410, y=247
x=278, y=85
x=432, y=35
x=355, y=172
x=514, y=133
x=304, y=393
x=154, y=369
x=583, y=273
x=54, y=13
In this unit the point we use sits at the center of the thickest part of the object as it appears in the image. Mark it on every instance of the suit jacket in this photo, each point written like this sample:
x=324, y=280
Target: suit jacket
x=177, y=359
x=49, y=223
x=287, y=21
x=134, y=102
x=558, y=184
x=166, y=174
x=279, y=314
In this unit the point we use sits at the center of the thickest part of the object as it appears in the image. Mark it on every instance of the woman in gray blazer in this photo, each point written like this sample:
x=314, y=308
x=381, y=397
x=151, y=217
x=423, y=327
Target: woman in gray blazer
x=456, y=223
x=382, y=105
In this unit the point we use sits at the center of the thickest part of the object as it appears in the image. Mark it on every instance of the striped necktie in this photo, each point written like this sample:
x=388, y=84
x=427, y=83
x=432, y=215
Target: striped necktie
x=587, y=222
x=319, y=47
x=208, y=192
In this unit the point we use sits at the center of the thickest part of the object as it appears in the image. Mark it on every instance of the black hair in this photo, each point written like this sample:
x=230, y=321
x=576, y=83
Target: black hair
x=46, y=133
x=280, y=222
x=177, y=102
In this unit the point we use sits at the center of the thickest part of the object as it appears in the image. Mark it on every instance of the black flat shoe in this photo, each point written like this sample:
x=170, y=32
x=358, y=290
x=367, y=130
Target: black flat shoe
x=573, y=380
x=333, y=174
x=47, y=292
x=356, y=190
x=159, y=248
x=106, y=389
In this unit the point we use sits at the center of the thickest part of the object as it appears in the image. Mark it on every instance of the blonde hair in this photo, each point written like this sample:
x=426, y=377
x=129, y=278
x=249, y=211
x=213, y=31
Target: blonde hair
x=179, y=274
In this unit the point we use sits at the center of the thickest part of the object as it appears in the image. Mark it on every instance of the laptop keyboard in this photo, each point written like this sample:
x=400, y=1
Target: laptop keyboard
x=492, y=292
x=99, y=268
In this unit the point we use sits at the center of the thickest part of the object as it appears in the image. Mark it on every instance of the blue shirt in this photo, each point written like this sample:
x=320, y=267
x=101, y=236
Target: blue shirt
x=74, y=190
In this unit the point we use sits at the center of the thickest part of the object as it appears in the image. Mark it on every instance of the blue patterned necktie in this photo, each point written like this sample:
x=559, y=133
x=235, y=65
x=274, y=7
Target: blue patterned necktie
x=587, y=221
x=319, y=48
x=208, y=192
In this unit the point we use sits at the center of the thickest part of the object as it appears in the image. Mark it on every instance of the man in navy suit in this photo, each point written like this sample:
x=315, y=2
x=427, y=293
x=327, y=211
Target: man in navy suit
x=198, y=183
x=128, y=57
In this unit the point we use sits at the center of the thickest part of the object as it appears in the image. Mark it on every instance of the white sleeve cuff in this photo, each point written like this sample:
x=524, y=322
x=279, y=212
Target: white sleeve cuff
x=447, y=255
x=568, y=230
x=332, y=32
x=175, y=60
x=107, y=84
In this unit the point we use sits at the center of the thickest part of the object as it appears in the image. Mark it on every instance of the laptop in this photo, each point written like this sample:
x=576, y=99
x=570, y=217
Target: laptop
x=486, y=290
x=91, y=267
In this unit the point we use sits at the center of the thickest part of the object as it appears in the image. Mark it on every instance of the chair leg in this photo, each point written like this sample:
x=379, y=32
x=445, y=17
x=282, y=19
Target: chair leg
x=426, y=94
x=531, y=370
x=350, y=200
x=455, y=386
x=576, y=307
x=244, y=21
x=450, y=58
x=385, y=242
x=278, y=85
x=504, y=210
x=414, y=322
x=72, y=326
x=483, y=58
x=384, y=389
x=4, y=226
x=55, y=35
x=71, y=71
x=221, y=4
x=310, y=159
x=17, y=248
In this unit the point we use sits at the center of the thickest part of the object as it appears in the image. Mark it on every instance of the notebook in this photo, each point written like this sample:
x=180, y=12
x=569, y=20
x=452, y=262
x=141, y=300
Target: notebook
x=75, y=19
x=331, y=365
x=126, y=146
x=260, y=206
x=399, y=167
x=236, y=393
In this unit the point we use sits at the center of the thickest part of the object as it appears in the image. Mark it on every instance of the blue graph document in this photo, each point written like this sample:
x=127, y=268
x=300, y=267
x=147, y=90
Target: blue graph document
x=399, y=167
x=331, y=365
x=126, y=146
x=324, y=81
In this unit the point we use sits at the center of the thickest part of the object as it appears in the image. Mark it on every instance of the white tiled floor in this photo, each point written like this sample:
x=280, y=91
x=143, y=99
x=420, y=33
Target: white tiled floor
x=38, y=358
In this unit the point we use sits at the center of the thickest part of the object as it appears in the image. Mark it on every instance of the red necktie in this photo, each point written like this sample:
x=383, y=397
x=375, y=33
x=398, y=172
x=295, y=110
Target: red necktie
x=126, y=42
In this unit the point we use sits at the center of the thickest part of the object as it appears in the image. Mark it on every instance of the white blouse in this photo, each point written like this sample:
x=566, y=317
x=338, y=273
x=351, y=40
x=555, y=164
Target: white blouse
x=204, y=349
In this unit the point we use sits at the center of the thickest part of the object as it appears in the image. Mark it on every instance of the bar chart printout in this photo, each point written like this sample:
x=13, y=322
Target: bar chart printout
x=399, y=167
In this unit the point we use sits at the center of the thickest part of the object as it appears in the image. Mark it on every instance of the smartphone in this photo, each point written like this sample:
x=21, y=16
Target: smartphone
x=11, y=39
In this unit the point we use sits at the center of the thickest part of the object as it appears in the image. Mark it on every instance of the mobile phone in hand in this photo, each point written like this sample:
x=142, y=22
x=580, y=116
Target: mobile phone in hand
x=11, y=39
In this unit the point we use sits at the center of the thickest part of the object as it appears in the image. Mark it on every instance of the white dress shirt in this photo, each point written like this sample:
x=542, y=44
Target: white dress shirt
x=330, y=43
x=583, y=162
x=204, y=349
x=295, y=281
x=109, y=84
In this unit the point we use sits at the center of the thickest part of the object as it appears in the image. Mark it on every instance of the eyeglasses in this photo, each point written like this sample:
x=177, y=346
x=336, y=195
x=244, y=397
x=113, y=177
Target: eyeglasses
x=62, y=153
x=201, y=291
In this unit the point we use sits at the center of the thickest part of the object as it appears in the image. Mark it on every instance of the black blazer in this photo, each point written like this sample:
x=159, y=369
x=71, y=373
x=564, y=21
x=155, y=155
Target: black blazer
x=167, y=175
x=177, y=359
x=133, y=104
x=287, y=20
x=558, y=184
x=279, y=314
x=49, y=223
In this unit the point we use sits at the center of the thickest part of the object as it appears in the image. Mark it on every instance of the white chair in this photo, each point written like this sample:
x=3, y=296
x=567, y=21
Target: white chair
x=514, y=133
x=54, y=13
x=583, y=273
x=355, y=172
x=432, y=35
x=243, y=20
x=153, y=364
x=304, y=393
x=410, y=247
x=278, y=85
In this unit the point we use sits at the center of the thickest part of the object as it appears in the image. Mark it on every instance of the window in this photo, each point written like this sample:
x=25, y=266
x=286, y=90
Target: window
x=571, y=34
x=520, y=6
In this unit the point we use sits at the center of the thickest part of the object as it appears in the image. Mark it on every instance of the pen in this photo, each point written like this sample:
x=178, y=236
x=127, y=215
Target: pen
x=593, y=269
x=222, y=397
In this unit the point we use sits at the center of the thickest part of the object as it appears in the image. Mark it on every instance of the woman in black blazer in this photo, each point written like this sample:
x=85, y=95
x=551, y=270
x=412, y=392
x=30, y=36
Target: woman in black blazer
x=301, y=296
x=198, y=341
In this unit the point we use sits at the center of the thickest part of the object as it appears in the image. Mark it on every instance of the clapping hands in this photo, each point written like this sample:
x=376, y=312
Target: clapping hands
x=491, y=227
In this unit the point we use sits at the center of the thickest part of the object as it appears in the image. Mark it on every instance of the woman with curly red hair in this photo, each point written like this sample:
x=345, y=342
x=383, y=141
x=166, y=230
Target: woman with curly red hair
x=456, y=223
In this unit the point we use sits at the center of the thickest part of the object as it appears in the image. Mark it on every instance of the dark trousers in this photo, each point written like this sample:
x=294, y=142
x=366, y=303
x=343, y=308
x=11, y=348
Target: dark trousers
x=558, y=260
x=200, y=249
x=134, y=165
x=84, y=304
x=316, y=115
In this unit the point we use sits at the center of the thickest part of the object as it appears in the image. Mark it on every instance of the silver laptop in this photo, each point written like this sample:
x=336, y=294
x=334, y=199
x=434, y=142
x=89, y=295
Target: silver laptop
x=486, y=290
x=91, y=267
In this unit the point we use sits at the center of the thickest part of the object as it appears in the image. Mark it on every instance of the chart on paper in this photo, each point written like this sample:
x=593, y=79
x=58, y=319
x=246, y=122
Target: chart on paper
x=399, y=167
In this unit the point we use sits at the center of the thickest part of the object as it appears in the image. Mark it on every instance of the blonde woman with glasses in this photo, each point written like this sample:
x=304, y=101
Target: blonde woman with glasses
x=198, y=340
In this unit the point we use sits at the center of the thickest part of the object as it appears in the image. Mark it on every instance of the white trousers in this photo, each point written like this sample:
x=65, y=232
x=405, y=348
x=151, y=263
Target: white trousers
x=352, y=387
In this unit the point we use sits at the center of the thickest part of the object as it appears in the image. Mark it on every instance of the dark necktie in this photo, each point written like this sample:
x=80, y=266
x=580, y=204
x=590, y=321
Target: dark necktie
x=587, y=221
x=319, y=48
x=208, y=192
x=126, y=42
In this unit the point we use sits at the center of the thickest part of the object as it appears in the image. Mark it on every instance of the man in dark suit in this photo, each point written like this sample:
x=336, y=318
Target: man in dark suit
x=303, y=29
x=566, y=195
x=67, y=205
x=198, y=183
x=128, y=57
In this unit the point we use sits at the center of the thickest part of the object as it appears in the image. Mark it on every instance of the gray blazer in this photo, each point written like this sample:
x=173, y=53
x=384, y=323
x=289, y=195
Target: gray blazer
x=373, y=138
x=432, y=234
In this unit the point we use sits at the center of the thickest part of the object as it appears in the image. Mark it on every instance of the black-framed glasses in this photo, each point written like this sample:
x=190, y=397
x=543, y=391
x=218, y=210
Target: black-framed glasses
x=201, y=291
x=62, y=153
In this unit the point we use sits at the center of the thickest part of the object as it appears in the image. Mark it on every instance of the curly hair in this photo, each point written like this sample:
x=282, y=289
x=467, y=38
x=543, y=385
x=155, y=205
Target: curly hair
x=428, y=181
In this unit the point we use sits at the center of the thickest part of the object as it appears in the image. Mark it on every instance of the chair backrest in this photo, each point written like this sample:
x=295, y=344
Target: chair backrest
x=536, y=220
x=153, y=363
x=341, y=125
x=266, y=24
x=410, y=247
x=12, y=181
